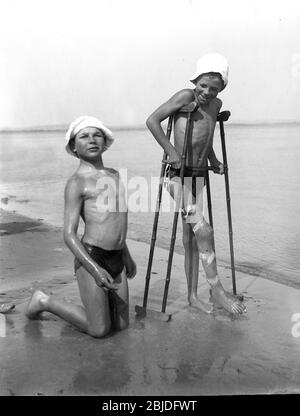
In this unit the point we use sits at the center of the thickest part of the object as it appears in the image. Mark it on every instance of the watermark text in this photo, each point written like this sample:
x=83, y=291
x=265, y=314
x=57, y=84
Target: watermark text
x=296, y=327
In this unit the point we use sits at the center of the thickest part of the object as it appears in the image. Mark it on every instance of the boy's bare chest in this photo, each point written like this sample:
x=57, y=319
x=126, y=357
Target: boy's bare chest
x=108, y=186
x=202, y=123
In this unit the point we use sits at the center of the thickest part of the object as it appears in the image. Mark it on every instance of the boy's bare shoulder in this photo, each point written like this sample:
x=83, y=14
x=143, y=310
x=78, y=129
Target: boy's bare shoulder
x=186, y=95
x=215, y=106
x=75, y=183
x=217, y=103
x=179, y=99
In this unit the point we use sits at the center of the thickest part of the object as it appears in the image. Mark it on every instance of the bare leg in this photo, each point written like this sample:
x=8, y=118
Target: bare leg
x=93, y=318
x=96, y=304
x=191, y=258
x=191, y=265
x=41, y=302
x=204, y=235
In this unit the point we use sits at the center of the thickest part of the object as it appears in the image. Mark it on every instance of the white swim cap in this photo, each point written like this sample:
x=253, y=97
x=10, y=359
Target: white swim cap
x=212, y=62
x=87, y=121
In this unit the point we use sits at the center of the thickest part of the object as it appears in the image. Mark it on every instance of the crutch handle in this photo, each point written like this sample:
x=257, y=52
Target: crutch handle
x=223, y=116
x=191, y=107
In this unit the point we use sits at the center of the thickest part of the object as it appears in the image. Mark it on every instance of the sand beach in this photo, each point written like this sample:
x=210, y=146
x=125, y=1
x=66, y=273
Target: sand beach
x=193, y=354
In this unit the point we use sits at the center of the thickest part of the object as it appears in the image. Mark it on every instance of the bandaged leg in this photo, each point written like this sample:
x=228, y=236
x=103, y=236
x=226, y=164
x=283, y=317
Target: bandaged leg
x=191, y=266
x=191, y=257
x=204, y=236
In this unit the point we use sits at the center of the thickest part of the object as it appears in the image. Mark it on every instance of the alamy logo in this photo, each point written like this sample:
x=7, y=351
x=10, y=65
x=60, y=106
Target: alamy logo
x=2, y=326
x=137, y=194
x=296, y=327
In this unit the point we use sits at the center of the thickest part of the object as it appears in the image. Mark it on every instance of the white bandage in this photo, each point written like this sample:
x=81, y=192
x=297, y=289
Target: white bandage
x=198, y=225
x=213, y=281
x=208, y=258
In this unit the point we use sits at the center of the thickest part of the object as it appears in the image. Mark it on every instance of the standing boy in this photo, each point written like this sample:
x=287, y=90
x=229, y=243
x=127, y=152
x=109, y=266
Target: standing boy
x=210, y=78
x=102, y=260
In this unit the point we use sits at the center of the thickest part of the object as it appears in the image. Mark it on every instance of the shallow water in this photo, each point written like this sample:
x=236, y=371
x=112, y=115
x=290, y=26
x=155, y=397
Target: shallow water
x=264, y=176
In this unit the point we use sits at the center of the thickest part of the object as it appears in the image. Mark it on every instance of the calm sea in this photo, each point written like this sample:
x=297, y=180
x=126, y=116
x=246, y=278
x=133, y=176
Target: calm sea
x=264, y=174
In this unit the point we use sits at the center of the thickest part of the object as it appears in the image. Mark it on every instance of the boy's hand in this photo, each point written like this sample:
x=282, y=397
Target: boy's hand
x=218, y=167
x=105, y=281
x=130, y=267
x=174, y=159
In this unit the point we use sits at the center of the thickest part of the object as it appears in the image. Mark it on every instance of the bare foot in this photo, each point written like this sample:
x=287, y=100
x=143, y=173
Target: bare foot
x=228, y=301
x=35, y=306
x=238, y=296
x=198, y=304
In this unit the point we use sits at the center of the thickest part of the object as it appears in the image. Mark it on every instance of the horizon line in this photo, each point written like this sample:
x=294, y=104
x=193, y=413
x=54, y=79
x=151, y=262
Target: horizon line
x=64, y=127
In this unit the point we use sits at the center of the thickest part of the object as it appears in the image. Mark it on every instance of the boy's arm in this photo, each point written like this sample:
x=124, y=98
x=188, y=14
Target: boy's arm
x=73, y=203
x=154, y=121
x=129, y=263
x=215, y=163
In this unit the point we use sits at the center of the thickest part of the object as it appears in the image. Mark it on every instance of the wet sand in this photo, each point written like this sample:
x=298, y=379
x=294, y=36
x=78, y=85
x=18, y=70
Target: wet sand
x=193, y=354
x=31, y=253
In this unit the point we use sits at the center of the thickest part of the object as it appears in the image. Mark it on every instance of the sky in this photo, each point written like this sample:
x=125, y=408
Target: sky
x=120, y=59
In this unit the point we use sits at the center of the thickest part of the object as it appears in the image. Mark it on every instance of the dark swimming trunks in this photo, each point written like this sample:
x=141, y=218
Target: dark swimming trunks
x=189, y=172
x=110, y=260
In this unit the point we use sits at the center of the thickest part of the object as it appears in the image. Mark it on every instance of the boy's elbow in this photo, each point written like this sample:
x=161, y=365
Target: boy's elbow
x=149, y=122
x=68, y=237
x=152, y=124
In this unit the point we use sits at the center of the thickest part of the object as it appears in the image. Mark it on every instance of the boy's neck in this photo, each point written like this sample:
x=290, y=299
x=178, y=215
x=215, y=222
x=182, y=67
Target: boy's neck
x=92, y=165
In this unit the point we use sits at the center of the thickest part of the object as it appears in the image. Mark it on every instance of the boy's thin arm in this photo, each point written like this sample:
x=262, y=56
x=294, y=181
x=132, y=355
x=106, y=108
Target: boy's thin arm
x=153, y=122
x=73, y=203
x=212, y=156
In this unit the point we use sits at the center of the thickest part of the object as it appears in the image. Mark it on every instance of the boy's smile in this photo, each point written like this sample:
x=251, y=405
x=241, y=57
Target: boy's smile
x=207, y=88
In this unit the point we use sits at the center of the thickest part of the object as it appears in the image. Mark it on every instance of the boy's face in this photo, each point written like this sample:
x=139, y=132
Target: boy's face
x=89, y=143
x=207, y=88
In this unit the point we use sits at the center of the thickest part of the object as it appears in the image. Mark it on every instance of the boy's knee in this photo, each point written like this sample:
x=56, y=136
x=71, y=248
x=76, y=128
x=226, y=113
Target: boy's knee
x=123, y=324
x=98, y=331
x=192, y=214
